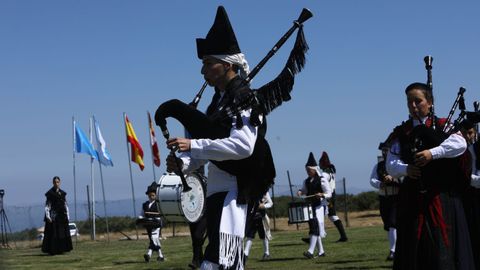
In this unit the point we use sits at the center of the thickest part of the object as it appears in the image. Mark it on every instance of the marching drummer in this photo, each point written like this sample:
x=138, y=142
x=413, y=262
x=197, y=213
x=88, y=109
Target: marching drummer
x=151, y=210
x=317, y=191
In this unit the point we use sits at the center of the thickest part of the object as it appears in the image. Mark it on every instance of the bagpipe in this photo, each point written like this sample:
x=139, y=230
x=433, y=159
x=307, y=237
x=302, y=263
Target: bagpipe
x=445, y=173
x=262, y=101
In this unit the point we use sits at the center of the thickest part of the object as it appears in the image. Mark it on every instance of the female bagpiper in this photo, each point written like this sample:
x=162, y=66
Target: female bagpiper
x=431, y=228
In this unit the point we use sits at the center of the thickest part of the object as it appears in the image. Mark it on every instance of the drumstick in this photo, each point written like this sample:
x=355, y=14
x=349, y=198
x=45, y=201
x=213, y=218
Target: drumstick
x=309, y=196
x=153, y=213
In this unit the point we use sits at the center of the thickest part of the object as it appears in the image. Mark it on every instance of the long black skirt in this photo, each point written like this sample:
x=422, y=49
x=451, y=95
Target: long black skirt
x=57, y=237
x=432, y=232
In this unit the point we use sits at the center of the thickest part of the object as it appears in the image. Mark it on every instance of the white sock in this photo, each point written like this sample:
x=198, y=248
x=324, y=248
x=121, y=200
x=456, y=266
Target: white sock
x=320, y=246
x=160, y=254
x=248, y=246
x=313, y=242
x=208, y=265
x=265, y=246
x=392, y=238
x=149, y=253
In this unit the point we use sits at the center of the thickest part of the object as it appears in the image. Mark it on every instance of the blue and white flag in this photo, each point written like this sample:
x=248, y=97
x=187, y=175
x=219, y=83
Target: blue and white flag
x=82, y=144
x=103, y=156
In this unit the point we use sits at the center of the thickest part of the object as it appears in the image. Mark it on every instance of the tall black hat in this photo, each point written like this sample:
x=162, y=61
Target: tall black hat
x=325, y=161
x=383, y=145
x=152, y=188
x=311, y=162
x=474, y=117
x=220, y=39
x=467, y=124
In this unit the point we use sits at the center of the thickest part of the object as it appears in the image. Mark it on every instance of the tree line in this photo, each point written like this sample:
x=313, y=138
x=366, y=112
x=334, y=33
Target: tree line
x=361, y=202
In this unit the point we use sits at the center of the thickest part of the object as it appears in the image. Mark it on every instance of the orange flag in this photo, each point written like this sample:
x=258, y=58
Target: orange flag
x=153, y=143
x=136, y=148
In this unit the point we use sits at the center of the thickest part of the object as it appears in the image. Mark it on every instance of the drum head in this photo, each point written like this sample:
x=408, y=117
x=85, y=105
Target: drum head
x=193, y=202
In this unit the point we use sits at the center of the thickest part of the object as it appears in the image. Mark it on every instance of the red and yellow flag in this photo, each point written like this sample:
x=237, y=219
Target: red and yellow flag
x=136, y=148
x=153, y=143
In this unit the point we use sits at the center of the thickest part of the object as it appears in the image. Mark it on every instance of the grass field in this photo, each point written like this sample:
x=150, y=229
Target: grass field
x=367, y=248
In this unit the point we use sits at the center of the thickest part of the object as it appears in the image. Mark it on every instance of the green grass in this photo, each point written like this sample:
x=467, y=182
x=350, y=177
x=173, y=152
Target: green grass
x=367, y=248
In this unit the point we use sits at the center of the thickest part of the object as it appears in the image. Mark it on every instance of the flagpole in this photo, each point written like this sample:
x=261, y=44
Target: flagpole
x=130, y=168
x=103, y=187
x=104, y=201
x=151, y=147
x=93, y=183
x=74, y=174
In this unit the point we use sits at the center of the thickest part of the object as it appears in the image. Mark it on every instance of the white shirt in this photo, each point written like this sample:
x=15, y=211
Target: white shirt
x=324, y=181
x=267, y=201
x=376, y=183
x=475, y=173
x=452, y=147
x=238, y=145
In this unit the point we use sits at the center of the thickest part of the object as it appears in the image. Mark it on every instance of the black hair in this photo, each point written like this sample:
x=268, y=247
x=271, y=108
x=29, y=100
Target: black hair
x=427, y=92
x=55, y=178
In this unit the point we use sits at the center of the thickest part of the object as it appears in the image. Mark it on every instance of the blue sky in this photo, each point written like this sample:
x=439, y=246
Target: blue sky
x=60, y=59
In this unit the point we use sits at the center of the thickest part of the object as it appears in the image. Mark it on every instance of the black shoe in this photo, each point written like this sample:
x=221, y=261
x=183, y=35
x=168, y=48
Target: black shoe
x=194, y=264
x=391, y=256
x=160, y=259
x=306, y=240
x=308, y=255
x=146, y=257
x=342, y=239
x=245, y=258
x=266, y=257
x=322, y=255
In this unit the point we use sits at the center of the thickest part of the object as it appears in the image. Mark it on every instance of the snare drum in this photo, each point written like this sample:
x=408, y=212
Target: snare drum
x=299, y=212
x=178, y=206
x=149, y=223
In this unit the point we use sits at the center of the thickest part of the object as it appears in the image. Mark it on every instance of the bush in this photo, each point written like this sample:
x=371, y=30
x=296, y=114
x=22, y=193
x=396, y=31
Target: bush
x=360, y=202
x=115, y=224
x=27, y=234
x=365, y=201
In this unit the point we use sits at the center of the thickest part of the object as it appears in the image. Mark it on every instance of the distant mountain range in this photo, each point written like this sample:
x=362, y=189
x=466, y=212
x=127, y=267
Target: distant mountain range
x=27, y=217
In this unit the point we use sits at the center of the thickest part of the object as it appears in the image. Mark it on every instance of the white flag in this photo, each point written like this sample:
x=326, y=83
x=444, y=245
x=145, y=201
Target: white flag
x=101, y=147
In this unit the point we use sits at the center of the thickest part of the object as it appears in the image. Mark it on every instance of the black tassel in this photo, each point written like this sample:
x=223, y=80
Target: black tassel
x=239, y=123
x=272, y=94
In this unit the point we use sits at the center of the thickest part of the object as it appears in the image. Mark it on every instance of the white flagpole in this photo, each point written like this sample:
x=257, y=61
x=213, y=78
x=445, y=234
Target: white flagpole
x=130, y=168
x=74, y=174
x=103, y=188
x=151, y=146
x=93, y=183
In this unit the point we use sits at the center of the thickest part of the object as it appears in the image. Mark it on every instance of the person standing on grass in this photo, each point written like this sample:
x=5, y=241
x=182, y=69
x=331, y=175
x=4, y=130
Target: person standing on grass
x=150, y=209
x=329, y=172
x=230, y=187
x=317, y=190
x=259, y=221
x=432, y=231
x=57, y=239
x=471, y=198
x=387, y=195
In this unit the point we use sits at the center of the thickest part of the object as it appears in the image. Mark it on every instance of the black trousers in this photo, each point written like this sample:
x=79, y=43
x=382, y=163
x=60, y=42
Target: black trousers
x=388, y=211
x=198, y=232
x=213, y=214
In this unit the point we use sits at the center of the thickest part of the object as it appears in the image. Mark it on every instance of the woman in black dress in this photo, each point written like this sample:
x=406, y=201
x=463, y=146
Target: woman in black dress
x=57, y=234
